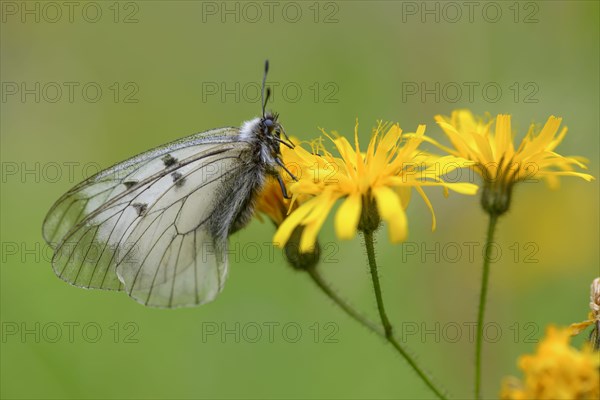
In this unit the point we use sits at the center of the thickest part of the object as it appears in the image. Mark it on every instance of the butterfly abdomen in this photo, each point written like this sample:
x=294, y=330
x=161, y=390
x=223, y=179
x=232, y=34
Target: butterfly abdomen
x=238, y=191
x=246, y=211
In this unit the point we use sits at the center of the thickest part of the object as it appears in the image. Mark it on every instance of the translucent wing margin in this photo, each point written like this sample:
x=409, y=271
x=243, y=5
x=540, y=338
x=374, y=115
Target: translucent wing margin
x=142, y=225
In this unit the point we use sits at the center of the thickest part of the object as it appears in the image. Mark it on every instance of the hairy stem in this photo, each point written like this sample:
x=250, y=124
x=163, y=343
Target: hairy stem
x=387, y=326
x=482, y=300
x=324, y=286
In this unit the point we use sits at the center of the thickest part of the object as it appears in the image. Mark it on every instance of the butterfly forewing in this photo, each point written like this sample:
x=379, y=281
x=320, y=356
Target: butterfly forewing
x=142, y=224
x=80, y=201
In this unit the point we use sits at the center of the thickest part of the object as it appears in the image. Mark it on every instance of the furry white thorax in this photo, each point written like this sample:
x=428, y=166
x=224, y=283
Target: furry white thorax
x=248, y=133
x=248, y=129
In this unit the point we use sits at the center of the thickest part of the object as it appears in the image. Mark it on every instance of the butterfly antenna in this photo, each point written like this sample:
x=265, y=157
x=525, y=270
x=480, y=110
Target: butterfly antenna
x=264, y=83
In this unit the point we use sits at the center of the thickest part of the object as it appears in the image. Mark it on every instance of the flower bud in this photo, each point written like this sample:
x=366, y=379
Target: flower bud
x=496, y=197
x=369, y=217
x=298, y=260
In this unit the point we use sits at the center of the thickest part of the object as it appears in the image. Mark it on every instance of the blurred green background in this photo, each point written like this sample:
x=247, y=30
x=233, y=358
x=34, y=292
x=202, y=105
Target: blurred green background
x=157, y=64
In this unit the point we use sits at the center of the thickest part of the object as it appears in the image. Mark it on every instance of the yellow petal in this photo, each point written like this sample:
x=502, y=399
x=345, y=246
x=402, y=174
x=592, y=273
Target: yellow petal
x=436, y=144
x=586, y=177
x=555, y=142
x=315, y=222
x=292, y=221
x=391, y=211
x=577, y=328
x=360, y=162
x=373, y=142
x=404, y=193
x=347, y=217
x=465, y=120
x=459, y=187
x=428, y=203
x=440, y=166
x=484, y=153
x=348, y=155
x=413, y=143
x=390, y=139
x=548, y=131
x=504, y=145
x=459, y=141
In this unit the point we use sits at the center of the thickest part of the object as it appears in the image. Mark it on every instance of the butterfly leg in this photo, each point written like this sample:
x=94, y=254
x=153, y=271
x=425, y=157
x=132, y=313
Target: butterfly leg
x=283, y=189
x=280, y=163
x=286, y=136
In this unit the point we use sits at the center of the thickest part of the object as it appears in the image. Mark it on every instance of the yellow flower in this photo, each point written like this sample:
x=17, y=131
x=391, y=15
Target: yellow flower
x=556, y=371
x=271, y=202
x=499, y=162
x=374, y=185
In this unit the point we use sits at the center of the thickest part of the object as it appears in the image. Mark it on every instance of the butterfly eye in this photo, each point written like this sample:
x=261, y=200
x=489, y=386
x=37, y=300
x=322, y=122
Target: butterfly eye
x=268, y=122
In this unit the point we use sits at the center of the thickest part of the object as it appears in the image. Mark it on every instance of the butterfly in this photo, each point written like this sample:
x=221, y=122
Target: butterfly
x=157, y=225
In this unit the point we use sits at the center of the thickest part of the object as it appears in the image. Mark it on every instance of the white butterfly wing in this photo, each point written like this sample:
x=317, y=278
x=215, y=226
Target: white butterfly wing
x=143, y=225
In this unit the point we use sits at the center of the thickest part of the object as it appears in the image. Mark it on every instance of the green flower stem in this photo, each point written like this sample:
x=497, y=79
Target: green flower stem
x=387, y=326
x=482, y=300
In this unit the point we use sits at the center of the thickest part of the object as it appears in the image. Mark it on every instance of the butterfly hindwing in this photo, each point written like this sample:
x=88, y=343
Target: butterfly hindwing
x=177, y=257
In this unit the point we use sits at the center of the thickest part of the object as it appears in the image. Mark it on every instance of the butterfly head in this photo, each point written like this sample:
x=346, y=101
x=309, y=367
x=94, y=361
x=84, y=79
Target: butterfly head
x=271, y=132
x=270, y=125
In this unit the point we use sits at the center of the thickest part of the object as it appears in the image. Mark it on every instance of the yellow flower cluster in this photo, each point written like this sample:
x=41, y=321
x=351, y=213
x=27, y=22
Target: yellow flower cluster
x=375, y=185
x=556, y=371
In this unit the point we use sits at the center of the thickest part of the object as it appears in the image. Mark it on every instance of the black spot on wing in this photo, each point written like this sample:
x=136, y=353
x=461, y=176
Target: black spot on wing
x=140, y=208
x=130, y=184
x=178, y=178
x=169, y=160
